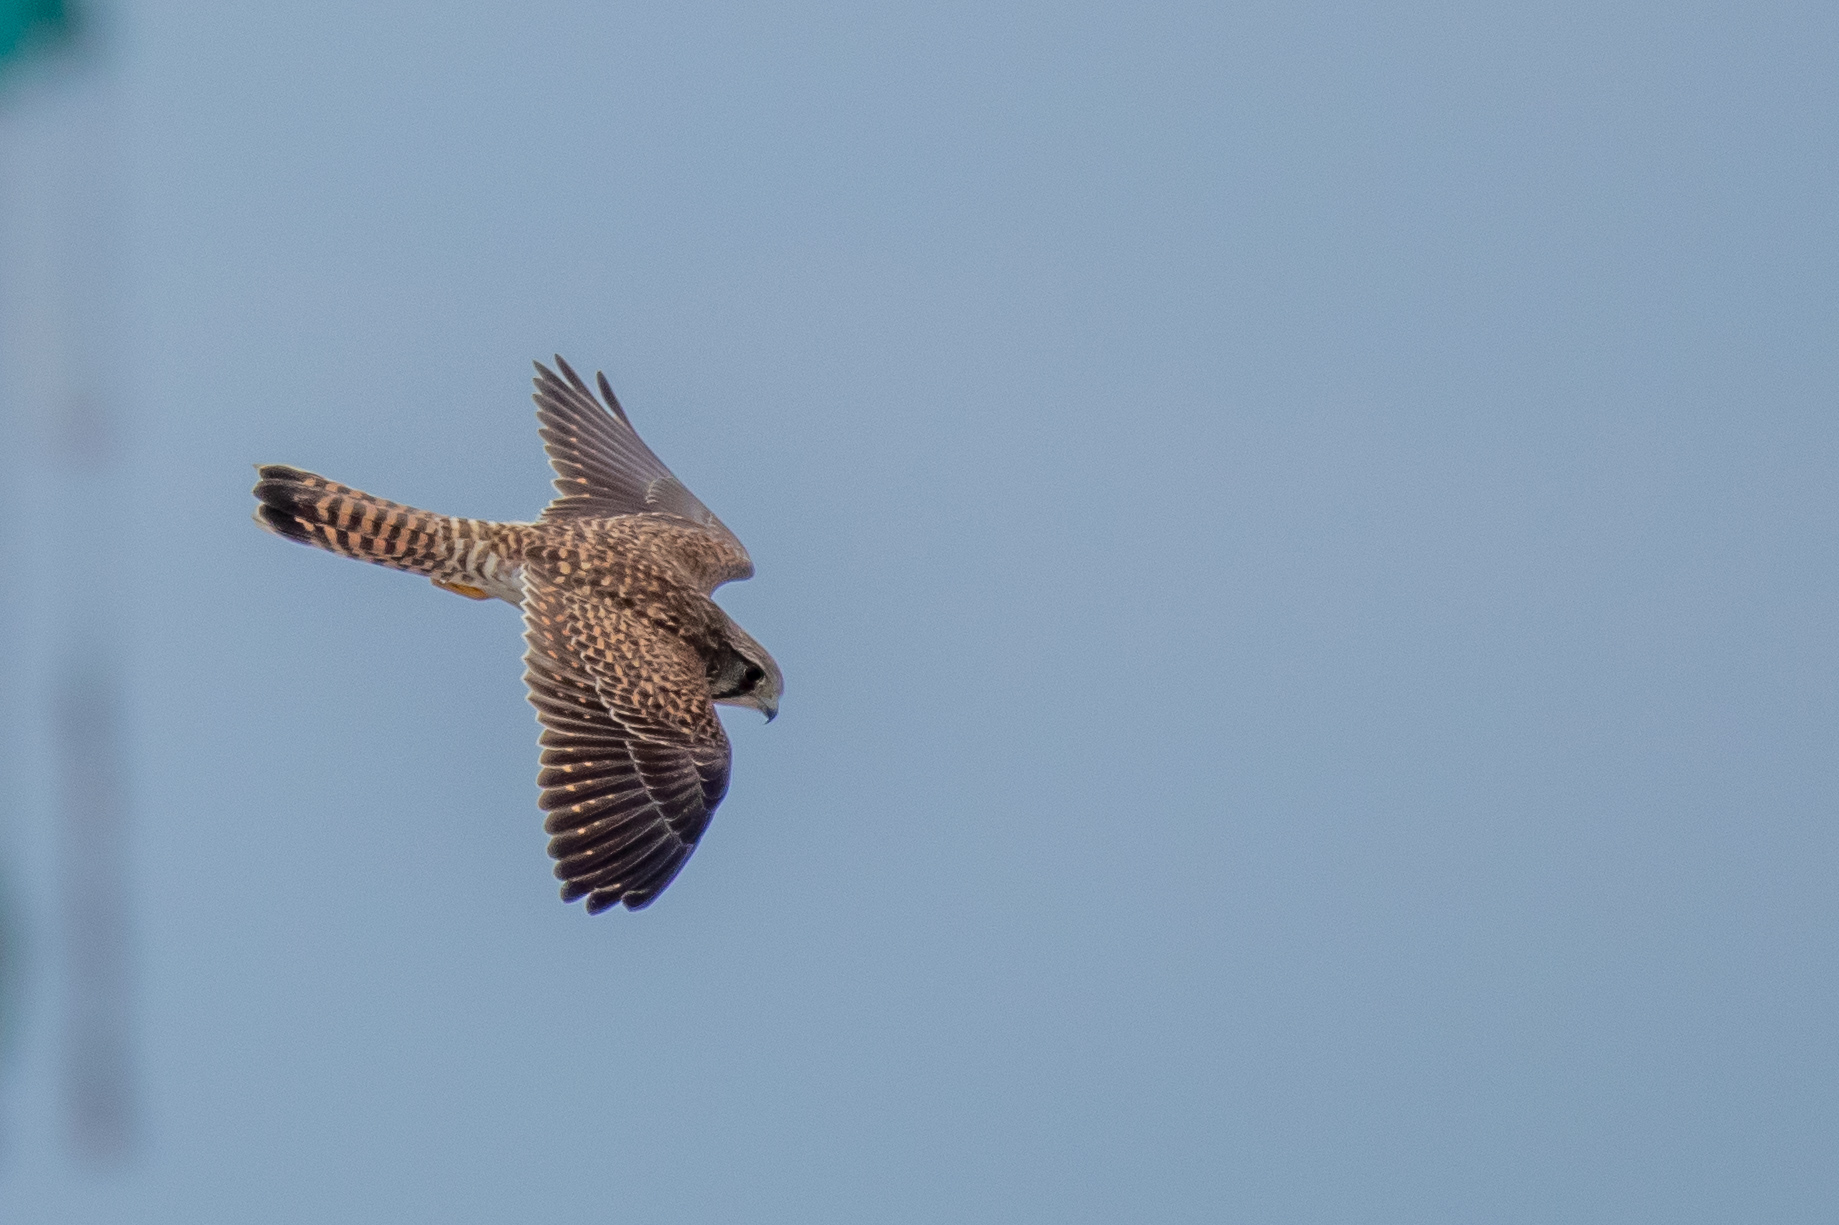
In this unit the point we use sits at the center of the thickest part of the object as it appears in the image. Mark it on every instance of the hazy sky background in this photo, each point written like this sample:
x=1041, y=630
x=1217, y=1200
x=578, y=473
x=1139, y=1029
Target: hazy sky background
x=1301, y=540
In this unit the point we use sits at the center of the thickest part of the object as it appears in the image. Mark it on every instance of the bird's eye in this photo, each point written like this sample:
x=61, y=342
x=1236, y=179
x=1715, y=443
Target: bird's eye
x=752, y=676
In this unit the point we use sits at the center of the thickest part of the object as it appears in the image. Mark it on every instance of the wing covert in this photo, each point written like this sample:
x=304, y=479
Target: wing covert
x=634, y=760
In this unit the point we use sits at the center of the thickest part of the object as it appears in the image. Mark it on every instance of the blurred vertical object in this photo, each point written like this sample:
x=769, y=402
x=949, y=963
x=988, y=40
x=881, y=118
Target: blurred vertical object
x=97, y=1071
x=58, y=287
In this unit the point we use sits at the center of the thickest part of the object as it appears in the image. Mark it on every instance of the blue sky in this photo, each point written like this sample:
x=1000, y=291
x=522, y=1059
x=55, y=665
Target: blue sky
x=1301, y=540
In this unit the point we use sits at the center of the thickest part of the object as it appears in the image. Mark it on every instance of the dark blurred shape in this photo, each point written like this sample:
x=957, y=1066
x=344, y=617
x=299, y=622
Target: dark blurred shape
x=25, y=24
x=93, y=853
x=83, y=431
x=60, y=274
x=11, y=965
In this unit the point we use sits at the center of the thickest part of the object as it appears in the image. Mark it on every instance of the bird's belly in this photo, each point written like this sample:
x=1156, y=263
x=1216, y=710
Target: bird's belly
x=506, y=583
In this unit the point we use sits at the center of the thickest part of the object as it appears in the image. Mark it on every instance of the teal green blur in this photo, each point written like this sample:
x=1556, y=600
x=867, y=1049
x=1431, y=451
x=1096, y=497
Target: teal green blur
x=30, y=25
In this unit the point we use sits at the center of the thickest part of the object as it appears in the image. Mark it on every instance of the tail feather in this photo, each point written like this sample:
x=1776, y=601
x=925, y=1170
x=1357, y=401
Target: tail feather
x=309, y=508
x=459, y=554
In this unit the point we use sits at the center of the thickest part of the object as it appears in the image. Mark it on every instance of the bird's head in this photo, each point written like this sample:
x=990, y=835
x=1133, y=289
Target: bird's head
x=747, y=675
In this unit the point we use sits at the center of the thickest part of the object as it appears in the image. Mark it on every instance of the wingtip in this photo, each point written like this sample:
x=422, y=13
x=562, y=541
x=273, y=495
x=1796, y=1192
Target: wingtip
x=606, y=391
x=568, y=372
x=564, y=378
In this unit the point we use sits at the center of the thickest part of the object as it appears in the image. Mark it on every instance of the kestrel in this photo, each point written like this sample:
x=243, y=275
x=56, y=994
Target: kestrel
x=627, y=654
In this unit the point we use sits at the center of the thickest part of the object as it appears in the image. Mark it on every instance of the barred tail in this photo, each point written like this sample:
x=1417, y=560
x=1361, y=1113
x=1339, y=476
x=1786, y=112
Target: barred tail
x=457, y=554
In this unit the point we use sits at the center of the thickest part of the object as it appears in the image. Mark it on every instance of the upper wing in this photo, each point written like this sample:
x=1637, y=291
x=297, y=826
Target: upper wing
x=634, y=759
x=603, y=468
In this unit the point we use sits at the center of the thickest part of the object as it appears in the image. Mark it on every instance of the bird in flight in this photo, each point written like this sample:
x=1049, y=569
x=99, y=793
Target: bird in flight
x=627, y=654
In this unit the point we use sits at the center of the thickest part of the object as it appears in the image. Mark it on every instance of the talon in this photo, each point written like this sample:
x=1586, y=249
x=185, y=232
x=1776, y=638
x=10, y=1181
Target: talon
x=471, y=593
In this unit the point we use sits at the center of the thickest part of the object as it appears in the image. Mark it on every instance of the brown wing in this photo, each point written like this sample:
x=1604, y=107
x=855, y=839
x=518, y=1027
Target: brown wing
x=634, y=759
x=603, y=468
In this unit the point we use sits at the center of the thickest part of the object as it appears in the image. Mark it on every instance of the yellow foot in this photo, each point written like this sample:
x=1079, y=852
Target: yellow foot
x=471, y=593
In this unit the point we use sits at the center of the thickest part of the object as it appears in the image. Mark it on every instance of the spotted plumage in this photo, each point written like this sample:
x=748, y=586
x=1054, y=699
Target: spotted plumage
x=627, y=654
